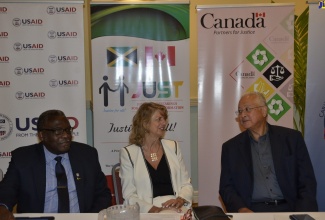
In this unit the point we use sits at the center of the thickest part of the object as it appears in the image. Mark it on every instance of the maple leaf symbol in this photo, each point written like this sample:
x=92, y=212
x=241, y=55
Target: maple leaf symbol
x=160, y=56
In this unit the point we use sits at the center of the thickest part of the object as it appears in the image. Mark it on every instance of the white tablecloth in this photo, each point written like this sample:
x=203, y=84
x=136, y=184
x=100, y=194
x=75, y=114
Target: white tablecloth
x=146, y=216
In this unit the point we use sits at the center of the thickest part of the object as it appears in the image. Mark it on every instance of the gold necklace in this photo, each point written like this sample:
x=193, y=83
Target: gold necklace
x=154, y=156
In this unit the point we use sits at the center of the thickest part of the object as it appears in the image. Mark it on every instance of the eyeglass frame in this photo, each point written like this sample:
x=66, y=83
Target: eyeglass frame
x=247, y=109
x=59, y=131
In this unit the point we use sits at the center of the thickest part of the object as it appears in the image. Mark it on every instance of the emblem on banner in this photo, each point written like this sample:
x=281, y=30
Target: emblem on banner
x=321, y=5
x=260, y=57
x=160, y=56
x=121, y=88
x=277, y=107
x=5, y=127
x=122, y=56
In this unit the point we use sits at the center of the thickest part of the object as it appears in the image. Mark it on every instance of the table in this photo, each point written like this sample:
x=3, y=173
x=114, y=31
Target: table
x=147, y=216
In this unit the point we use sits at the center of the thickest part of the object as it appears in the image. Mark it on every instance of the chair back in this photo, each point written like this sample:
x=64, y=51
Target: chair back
x=117, y=184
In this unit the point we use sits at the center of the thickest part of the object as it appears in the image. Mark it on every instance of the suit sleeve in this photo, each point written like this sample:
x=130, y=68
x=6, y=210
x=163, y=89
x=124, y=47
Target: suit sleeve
x=186, y=190
x=306, y=184
x=102, y=194
x=227, y=188
x=9, y=186
x=129, y=189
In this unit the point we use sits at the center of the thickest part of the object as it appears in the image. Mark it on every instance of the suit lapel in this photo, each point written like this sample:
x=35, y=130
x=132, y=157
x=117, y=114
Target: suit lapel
x=276, y=146
x=39, y=174
x=78, y=175
x=245, y=148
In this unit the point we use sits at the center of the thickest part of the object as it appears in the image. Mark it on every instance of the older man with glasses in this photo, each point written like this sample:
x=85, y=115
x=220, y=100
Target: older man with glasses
x=56, y=175
x=266, y=168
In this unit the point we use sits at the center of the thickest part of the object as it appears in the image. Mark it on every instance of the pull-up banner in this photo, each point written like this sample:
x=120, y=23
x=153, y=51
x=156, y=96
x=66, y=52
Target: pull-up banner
x=42, y=67
x=315, y=100
x=140, y=53
x=242, y=48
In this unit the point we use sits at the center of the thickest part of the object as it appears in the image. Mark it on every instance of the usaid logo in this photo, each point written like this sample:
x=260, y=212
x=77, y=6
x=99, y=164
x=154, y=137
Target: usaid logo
x=5, y=127
x=4, y=59
x=50, y=10
x=16, y=22
x=66, y=10
x=27, y=22
x=4, y=34
x=18, y=46
x=52, y=59
x=53, y=83
x=67, y=59
x=19, y=71
x=63, y=83
x=62, y=59
x=67, y=34
x=31, y=22
x=29, y=95
x=19, y=95
x=4, y=84
x=5, y=154
x=51, y=34
x=3, y=10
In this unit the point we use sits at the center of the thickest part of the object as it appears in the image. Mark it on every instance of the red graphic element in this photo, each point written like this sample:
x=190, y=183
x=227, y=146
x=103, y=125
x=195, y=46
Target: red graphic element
x=160, y=56
x=171, y=56
x=149, y=56
x=260, y=14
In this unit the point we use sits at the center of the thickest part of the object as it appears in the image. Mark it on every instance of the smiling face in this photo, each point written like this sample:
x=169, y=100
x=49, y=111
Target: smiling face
x=157, y=124
x=56, y=144
x=255, y=118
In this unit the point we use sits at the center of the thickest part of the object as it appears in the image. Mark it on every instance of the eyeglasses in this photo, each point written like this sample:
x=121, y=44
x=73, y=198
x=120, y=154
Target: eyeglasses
x=59, y=131
x=247, y=109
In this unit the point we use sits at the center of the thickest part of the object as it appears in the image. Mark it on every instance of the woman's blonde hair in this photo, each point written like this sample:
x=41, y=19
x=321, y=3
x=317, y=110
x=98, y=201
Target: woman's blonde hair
x=142, y=118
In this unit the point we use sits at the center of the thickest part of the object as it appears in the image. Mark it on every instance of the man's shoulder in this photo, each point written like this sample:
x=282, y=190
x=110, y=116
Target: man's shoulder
x=81, y=147
x=79, y=144
x=276, y=129
x=27, y=149
x=238, y=138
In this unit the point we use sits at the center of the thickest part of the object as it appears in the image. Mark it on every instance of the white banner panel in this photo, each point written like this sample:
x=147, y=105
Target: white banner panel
x=315, y=100
x=42, y=67
x=241, y=48
x=140, y=53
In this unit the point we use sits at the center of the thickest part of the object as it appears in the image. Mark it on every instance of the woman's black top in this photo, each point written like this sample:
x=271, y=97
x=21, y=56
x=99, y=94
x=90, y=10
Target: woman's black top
x=160, y=178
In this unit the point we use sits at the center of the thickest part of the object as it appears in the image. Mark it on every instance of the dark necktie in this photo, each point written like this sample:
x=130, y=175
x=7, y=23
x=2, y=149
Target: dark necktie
x=62, y=187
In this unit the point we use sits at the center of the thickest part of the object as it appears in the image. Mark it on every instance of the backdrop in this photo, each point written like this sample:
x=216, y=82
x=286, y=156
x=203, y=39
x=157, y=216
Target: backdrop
x=315, y=100
x=241, y=48
x=42, y=67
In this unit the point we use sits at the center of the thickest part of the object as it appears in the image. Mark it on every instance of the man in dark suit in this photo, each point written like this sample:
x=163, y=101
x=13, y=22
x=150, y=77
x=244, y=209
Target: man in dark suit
x=265, y=168
x=31, y=178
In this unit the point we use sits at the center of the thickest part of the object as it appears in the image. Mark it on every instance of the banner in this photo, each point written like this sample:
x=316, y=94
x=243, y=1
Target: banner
x=42, y=67
x=140, y=53
x=242, y=48
x=315, y=101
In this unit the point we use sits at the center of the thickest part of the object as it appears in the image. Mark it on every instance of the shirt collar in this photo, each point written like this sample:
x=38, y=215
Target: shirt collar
x=50, y=156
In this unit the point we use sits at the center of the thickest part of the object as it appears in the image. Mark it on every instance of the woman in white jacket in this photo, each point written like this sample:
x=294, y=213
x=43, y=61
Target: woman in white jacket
x=152, y=169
